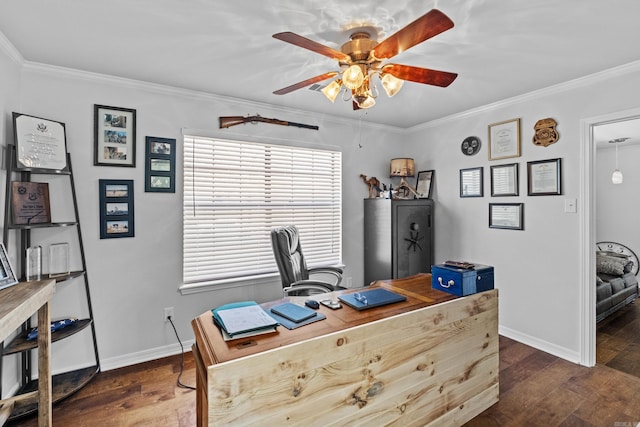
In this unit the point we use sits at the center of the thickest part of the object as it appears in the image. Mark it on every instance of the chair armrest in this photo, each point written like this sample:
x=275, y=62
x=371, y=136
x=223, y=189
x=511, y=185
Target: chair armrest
x=311, y=285
x=334, y=271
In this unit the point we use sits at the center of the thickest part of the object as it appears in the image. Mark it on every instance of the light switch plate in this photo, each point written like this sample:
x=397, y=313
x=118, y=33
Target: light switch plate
x=570, y=205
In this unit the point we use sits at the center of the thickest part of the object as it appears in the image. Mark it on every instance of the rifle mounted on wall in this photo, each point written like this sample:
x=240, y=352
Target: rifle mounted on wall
x=229, y=121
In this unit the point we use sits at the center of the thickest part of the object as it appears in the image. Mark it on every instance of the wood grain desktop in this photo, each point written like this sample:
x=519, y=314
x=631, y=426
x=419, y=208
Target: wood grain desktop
x=430, y=360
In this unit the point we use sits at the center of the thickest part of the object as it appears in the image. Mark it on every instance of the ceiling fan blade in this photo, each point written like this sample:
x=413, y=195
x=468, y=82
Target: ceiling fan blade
x=420, y=75
x=316, y=47
x=430, y=24
x=305, y=83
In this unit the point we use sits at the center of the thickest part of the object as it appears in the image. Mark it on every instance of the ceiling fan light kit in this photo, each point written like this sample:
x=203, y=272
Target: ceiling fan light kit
x=360, y=60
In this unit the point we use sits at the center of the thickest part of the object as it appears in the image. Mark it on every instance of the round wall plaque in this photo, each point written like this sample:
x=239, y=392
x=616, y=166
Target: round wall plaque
x=470, y=145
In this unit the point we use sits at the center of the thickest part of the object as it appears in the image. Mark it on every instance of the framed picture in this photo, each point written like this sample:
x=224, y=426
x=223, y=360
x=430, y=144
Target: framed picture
x=30, y=203
x=472, y=182
x=114, y=136
x=160, y=165
x=423, y=184
x=544, y=177
x=40, y=143
x=116, y=208
x=506, y=215
x=504, y=180
x=7, y=275
x=504, y=139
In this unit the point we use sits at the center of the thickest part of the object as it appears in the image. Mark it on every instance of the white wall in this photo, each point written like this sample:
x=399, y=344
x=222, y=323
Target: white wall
x=536, y=269
x=132, y=279
x=617, y=205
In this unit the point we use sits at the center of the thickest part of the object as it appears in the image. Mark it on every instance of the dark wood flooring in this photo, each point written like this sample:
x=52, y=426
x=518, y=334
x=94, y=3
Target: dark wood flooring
x=618, y=340
x=536, y=388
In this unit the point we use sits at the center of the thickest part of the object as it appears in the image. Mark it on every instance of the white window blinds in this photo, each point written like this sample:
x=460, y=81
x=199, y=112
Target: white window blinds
x=235, y=192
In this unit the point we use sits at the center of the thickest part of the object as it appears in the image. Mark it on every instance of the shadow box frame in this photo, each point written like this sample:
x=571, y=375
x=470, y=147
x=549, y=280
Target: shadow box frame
x=117, y=213
x=114, y=136
x=160, y=165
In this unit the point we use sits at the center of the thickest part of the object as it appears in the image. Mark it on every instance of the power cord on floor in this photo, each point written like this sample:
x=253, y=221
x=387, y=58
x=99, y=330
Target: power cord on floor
x=182, y=354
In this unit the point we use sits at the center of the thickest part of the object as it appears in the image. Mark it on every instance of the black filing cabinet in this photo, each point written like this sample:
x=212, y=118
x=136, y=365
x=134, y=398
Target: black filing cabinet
x=398, y=238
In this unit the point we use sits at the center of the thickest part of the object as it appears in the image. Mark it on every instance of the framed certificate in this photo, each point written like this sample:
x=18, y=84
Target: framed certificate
x=40, y=143
x=506, y=215
x=504, y=139
x=30, y=203
x=544, y=177
x=472, y=182
x=423, y=184
x=7, y=275
x=504, y=180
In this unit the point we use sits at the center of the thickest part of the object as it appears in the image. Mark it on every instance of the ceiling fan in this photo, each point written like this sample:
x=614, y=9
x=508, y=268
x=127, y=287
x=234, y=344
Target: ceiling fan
x=361, y=58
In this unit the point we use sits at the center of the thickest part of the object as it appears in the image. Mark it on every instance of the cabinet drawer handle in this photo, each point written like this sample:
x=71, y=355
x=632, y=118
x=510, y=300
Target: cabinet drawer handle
x=449, y=284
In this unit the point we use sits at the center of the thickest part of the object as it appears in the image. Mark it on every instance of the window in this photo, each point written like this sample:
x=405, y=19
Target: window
x=235, y=192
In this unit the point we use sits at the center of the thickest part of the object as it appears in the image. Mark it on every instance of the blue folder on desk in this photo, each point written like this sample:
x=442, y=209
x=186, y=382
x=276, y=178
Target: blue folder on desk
x=371, y=298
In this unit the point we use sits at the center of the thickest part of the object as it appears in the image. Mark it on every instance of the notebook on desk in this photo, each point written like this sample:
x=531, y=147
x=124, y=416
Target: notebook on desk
x=371, y=298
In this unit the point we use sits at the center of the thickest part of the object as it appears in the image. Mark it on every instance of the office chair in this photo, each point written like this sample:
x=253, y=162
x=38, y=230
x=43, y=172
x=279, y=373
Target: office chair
x=293, y=267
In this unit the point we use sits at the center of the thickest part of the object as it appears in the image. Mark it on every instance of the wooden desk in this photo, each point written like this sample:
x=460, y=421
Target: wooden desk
x=17, y=304
x=430, y=359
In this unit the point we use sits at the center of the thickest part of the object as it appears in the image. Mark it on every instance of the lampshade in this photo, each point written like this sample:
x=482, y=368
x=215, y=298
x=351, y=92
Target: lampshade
x=353, y=77
x=391, y=84
x=402, y=167
x=332, y=90
x=366, y=101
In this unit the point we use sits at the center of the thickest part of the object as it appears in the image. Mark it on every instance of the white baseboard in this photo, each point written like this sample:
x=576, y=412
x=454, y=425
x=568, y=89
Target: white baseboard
x=556, y=350
x=144, y=356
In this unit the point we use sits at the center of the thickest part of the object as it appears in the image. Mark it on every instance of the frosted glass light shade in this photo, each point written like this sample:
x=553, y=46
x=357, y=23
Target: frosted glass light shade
x=616, y=177
x=391, y=84
x=332, y=90
x=353, y=77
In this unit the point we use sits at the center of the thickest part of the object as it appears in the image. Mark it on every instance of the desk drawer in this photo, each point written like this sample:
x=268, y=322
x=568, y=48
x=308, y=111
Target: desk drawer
x=462, y=282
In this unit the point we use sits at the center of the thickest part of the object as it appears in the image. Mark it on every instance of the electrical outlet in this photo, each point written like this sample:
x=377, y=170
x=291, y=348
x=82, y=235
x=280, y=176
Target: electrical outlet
x=168, y=312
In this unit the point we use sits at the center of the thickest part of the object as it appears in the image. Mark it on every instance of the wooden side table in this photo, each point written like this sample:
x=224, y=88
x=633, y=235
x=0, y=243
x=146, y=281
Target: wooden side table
x=17, y=304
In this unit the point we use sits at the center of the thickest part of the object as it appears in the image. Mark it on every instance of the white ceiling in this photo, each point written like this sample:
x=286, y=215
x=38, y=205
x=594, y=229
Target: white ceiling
x=499, y=48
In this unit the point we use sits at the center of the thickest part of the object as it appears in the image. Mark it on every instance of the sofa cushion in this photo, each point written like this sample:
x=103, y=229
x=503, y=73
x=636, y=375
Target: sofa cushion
x=611, y=264
x=603, y=291
x=617, y=285
x=630, y=280
x=602, y=306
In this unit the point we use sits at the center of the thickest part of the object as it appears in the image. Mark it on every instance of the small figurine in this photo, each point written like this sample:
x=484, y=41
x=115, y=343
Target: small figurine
x=374, y=186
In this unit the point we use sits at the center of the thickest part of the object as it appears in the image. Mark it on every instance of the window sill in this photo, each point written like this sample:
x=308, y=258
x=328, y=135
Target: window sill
x=216, y=285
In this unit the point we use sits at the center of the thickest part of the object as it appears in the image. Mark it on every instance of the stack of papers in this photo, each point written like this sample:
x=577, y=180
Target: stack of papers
x=243, y=319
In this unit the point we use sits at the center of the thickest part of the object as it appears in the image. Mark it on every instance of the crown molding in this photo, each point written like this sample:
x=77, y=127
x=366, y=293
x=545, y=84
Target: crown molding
x=37, y=67
x=7, y=47
x=601, y=76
